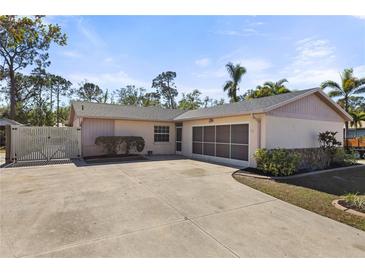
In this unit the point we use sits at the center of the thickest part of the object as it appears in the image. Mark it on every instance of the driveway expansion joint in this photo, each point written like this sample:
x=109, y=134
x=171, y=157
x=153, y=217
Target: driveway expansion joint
x=99, y=239
x=214, y=238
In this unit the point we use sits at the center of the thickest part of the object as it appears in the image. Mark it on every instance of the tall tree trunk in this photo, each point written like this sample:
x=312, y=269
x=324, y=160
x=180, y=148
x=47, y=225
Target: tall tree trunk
x=51, y=99
x=12, y=94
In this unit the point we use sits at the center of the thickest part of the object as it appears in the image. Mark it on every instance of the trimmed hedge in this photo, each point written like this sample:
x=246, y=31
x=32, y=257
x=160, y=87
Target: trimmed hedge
x=278, y=162
x=120, y=144
x=284, y=162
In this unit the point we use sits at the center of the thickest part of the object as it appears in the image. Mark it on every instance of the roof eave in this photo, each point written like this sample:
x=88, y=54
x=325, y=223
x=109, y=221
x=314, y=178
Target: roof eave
x=218, y=116
x=123, y=118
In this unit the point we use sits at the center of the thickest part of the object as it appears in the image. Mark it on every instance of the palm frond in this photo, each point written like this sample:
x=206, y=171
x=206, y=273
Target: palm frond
x=331, y=84
x=269, y=84
x=359, y=90
x=347, y=74
x=227, y=85
x=239, y=71
x=348, y=80
x=231, y=69
x=334, y=93
x=357, y=118
x=361, y=81
x=281, y=82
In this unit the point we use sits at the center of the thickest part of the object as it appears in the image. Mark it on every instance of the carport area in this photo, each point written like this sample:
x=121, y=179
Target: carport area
x=169, y=207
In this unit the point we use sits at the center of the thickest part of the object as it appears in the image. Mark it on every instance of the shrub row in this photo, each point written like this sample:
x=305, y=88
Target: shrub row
x=285, y=162
x=277, y=162
x=120, y=144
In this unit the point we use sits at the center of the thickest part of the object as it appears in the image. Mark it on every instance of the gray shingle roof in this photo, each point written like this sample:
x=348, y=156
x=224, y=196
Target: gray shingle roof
x=111, y=111
x=250, y=106
x=6, y=121
x=96, y=110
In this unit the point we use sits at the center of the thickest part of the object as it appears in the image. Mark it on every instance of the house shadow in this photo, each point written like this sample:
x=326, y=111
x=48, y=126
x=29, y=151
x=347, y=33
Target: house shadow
x=37, y=163
x=335, y=182
x=97, y=161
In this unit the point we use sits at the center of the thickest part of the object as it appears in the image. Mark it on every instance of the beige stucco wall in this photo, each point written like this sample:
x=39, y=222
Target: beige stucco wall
x=253, y=136
x=146, y=130
x=297, y=133
x=92, y=128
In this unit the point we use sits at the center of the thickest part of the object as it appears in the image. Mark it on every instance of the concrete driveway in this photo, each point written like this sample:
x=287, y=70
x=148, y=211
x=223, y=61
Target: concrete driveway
x=169, y=208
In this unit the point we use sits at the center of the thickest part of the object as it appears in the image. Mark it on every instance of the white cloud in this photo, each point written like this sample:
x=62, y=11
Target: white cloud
x=361, y=17
x=108, y=60
x=309, y=49
x=72, y=53
x=306, y=78
x=86, y=30
x=212, y=73
x=240, y=32
x=214, y=93
x=109, y=80
x=257, y=23
x=359, y=71
x=314, y=62
x=203, y=62
x=247, y=29
x=228, y=32
x=255, y=65
x=258, y=71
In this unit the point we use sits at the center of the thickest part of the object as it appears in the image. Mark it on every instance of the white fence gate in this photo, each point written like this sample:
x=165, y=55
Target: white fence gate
x=45, y=143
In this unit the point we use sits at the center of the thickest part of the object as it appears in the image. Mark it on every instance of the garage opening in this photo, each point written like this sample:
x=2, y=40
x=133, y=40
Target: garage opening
x=224, y=141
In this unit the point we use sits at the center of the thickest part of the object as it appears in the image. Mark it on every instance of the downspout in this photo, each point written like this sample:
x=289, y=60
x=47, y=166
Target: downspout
x=258, y=120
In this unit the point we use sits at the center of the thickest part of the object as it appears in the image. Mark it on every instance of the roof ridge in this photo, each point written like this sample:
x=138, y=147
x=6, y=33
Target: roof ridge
x=169, y=109
x=118, y=111
x=249, y=103
x=130, y=106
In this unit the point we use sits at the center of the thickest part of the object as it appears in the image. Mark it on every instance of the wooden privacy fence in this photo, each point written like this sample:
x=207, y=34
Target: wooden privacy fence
x=44, y=143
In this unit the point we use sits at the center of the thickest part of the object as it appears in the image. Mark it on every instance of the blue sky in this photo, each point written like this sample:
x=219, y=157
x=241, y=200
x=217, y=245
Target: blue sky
x=114, y=51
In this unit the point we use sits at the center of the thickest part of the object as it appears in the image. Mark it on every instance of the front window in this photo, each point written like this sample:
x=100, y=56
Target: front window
x=162, y=134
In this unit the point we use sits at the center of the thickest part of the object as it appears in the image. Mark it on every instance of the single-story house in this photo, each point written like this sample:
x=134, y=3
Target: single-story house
x=228, y=133
x=3, y=123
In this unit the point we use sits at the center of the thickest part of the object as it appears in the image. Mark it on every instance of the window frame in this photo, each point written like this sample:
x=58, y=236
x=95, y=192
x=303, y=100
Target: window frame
x=160, y=132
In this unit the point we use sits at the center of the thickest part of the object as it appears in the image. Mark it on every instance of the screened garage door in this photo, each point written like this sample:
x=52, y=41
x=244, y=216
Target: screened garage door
x=224, y=141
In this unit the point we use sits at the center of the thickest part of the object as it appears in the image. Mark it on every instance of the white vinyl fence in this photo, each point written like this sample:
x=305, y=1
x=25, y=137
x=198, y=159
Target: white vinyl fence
x=45, y=143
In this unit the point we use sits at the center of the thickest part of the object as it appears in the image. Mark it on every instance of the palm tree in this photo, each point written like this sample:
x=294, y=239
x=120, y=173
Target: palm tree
x=235, y=72
x=349, y=88
x=277, y=87
x=357, y=118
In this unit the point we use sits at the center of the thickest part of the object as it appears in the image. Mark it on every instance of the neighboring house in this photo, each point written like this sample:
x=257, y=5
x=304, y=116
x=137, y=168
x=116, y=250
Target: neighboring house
x=6, y=122
x=228, y=133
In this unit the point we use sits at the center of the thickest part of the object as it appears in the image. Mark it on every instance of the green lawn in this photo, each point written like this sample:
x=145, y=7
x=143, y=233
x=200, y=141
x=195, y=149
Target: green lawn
x=316, y=192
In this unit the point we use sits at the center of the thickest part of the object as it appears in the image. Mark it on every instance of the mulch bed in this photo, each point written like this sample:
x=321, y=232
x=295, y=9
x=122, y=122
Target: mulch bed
x=255, y=171
x=351, y=206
